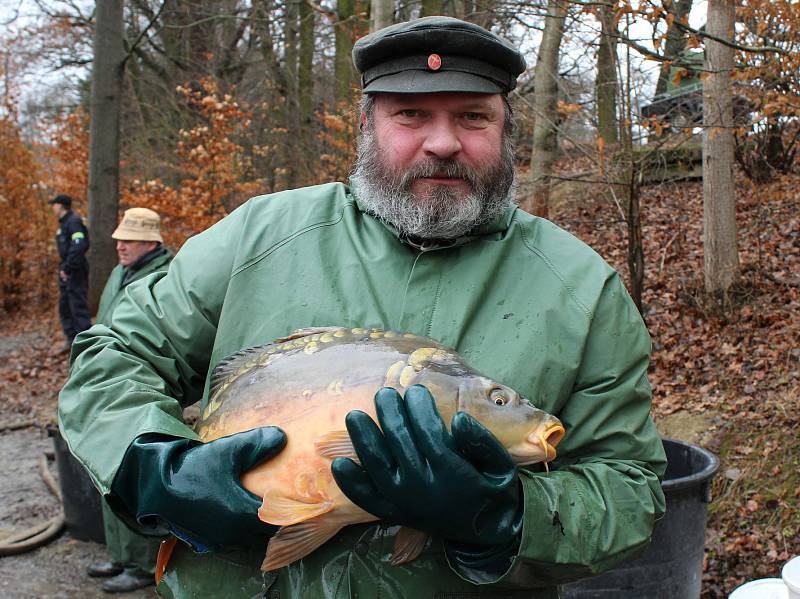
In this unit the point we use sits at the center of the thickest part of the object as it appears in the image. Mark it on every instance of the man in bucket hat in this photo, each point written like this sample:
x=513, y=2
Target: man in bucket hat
x=141, y=252
x=426, y=239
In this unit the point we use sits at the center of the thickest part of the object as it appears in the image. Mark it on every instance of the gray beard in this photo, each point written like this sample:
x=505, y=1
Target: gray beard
x=446, y=213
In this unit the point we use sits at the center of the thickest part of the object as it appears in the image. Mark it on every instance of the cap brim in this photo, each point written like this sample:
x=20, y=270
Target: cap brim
x=431, y=82
x=125, y=235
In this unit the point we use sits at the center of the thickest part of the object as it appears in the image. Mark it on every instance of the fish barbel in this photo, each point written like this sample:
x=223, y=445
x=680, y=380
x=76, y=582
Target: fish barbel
x=306, y=384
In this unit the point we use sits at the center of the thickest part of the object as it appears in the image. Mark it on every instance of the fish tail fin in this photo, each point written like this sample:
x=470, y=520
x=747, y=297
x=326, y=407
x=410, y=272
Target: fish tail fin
x=164, y=553
x=293, y=542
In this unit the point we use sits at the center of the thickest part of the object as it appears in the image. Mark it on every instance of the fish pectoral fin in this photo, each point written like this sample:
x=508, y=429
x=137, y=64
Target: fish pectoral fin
x=408, y=545
x=285, y=511
x=305, y=332
x=292, y=543
x=336, y=444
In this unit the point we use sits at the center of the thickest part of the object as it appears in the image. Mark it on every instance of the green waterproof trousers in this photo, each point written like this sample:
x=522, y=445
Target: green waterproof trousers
x=127, y=547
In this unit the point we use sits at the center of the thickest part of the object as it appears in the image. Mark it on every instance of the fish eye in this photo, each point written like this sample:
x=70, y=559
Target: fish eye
x=498, y=397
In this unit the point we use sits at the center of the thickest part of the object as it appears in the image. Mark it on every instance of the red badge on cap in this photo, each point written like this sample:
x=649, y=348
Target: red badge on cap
x=434, y=62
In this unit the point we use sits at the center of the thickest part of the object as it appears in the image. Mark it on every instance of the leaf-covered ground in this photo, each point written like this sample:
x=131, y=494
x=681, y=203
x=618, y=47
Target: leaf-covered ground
x=727, y=377
x=724, y=376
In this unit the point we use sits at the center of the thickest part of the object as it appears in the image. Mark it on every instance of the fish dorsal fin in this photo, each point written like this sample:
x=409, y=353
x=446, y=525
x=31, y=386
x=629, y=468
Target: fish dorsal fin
x=305, y=332
x=408, y=544
x=336, y=444
x=292, y=543
x=231, y=365
x=227, y=368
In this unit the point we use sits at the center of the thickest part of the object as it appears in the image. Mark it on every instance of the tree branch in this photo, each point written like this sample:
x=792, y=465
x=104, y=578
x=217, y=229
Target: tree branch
x=320, y=9
x=751, y=49
x=143, y=32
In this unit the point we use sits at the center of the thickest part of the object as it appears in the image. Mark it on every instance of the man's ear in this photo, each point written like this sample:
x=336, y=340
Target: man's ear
x=362, y=122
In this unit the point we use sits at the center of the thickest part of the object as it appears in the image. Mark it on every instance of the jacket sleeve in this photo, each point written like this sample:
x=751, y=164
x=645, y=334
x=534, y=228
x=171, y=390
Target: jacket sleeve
x=134, y=375
x=597, y=506
x=77, y=243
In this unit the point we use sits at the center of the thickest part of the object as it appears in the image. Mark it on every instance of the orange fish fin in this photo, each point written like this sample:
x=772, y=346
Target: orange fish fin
x=336, y=444
x=164, y=553
x=292, y=543
x=408, y=544
x=285, y=511
x=305, y=333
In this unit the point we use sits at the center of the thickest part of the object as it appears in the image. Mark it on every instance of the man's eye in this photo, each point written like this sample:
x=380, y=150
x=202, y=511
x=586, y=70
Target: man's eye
x=409, y=113
x=473, y=116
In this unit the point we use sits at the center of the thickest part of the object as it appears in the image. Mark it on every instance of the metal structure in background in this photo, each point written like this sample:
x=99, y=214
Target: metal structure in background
x=681, y=106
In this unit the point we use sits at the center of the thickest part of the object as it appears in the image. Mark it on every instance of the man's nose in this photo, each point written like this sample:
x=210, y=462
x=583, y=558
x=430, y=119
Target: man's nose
x=442, y=139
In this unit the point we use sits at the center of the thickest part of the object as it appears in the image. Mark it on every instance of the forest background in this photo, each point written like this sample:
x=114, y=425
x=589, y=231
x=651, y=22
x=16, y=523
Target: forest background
x=667, y=144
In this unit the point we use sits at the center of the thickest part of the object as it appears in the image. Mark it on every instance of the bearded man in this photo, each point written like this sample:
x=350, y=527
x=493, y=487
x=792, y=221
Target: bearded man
x=426, y=240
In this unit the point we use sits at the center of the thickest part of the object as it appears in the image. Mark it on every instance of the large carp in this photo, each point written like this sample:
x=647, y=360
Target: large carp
x=306, y=384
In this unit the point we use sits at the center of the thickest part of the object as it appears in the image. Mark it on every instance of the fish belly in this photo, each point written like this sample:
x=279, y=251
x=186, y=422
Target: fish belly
x=301, y=472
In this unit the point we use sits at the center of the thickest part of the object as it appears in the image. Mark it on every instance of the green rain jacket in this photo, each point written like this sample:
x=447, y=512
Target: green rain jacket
x=116, y=284
x=123, y=545
x=523, y=301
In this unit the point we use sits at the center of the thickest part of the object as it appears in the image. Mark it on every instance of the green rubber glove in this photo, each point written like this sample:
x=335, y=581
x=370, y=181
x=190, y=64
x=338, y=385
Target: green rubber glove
x=461, y=485
x=193, y=489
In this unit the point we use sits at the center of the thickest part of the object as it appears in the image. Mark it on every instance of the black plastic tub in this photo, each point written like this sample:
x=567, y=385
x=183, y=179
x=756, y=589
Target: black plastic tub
x=83, y=513
x=672, y=565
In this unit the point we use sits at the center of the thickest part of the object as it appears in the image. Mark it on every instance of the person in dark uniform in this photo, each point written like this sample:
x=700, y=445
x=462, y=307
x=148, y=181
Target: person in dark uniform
x=72, y=240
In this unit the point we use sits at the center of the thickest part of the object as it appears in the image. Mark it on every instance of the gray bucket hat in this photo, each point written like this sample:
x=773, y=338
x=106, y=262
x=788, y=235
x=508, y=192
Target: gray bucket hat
x=437, y=54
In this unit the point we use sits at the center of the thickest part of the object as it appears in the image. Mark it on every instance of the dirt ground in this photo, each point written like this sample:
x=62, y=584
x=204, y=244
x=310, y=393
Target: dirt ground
x=57, y=570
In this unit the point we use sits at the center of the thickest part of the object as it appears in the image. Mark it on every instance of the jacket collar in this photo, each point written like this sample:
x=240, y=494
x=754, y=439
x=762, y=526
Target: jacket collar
x=130, y=271
x=495, y=228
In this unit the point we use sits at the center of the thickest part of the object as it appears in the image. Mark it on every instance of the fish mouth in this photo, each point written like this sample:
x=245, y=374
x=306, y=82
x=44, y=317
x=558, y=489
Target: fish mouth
x=540, y=446
x=552, y=437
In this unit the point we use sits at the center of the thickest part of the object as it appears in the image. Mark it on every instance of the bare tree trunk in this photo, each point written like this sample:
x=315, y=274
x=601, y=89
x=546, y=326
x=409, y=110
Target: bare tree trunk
x=291, y=107
x=481, y=12
x=106, y=93
x=606, y=81
x=676, y=39
x=344, y=73
x=458, y=8
x=633, y=218
x=720, y=255
x=630, y=177
x=305, y=83
x=381, y=14
x=545, y=108
x=431, y=8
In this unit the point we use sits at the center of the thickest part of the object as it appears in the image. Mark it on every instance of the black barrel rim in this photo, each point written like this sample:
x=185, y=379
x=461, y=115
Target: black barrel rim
x=696, y=478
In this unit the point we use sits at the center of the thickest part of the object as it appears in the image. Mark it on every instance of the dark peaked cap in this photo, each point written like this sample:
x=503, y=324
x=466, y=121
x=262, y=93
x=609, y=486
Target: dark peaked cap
x=437, y=54
x=62, y=199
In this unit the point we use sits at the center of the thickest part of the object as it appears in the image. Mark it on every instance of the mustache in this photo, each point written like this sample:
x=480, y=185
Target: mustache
x=445, y=168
